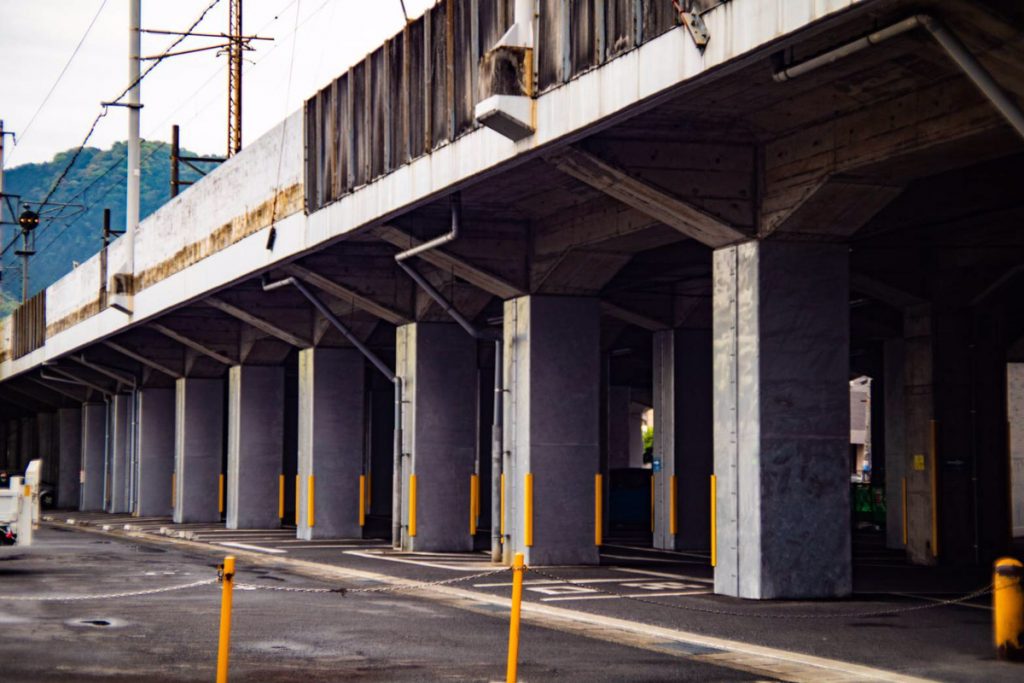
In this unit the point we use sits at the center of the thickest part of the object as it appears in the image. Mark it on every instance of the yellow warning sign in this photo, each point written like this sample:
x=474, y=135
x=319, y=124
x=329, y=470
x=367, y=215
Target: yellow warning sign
x=919, y=462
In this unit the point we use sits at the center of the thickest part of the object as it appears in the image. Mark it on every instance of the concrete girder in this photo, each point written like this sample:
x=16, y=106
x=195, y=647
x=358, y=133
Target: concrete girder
x=78, y=380
x=344, y=293
x=631, y=317
x=446, y=261
x=46, y=402
x=192, y=344
x=836, y=208
x=60, y=390
x=139, y=358
x=257, y=322
x=616, y=182
x=106, y=372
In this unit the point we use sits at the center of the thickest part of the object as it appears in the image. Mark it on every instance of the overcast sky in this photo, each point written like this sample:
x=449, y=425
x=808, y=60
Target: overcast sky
x=314, y=41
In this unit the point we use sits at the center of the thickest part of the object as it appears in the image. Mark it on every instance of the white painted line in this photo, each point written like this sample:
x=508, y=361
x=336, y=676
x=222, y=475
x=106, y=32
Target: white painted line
x=245, y=546
x=605, y=596
x=650, y=559
x=318, y=547
x=699, y=556
x=646, y=572
x=544, y=582
x=482, y=566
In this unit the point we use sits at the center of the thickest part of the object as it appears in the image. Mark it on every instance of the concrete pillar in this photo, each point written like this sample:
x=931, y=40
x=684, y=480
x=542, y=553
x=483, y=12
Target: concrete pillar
x=94, y=441
x=618, y=427
x=1015, y=416
x=198, y=449
x=156, y=452
x=552, y=373
x=46, y=446
x=26, y=443
x=255, y=446
x=437, y=364
x=683, y=444
x=895, y=441
x=118, y=500
x=782, y=420
x=70, y=458
x=919, y=409
x=331, y=441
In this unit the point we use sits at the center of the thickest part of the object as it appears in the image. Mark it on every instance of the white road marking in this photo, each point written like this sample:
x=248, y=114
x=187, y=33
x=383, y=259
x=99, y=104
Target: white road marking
x=647, y=572
x=246, y=546
x=699, y=556
x=476, y=567
x=605, y=596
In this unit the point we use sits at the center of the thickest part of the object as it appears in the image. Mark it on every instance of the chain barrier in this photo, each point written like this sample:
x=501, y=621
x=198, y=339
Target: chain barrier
x=104, y=596
x=773, y=615
x=393, y=588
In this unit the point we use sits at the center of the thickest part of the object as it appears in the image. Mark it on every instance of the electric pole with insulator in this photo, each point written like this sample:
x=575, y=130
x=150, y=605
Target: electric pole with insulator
x=236, y=43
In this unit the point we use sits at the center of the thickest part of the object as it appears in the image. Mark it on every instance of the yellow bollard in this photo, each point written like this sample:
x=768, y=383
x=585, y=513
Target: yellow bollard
x=672, y=505
x=227, y=576
x=714, y=521
x=474, y=502
x=280, y=496
x=220, y=494
x=518, y=569
x=598, y=509
x=528, y=511
x=310, y=503
x=362, y=500
x=412, y=505
x=1008, y=609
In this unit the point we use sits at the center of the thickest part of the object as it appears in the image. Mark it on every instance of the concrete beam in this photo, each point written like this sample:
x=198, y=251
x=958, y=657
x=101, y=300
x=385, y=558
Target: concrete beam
x=60, y=390
x=192, y=344
x=340, y=291
x=883, y=292
x=437, y=257
x=106, y=372
x=78, y=380
x=149, y=363
x=258, y=322
x=632, y=317
x=673, y=212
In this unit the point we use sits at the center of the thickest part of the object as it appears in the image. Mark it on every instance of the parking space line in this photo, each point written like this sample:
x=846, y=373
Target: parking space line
x=458, y=568
x=256, y=548
x=647, y=572
x=605, y=596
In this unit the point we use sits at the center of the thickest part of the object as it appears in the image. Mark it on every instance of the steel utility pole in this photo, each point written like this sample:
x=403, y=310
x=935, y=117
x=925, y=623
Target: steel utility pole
x=134, y=146
x=235, y=46
x=3, y=134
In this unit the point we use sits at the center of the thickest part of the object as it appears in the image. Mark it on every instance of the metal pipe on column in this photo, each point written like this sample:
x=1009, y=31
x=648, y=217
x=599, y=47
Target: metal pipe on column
x=473, y=331
x=396, y=502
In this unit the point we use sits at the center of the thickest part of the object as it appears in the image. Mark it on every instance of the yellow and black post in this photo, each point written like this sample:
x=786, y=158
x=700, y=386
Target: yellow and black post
x=1008, y=609
x=226, y=575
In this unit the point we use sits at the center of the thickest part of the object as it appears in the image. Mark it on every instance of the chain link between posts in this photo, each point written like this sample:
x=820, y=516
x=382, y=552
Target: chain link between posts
x=393, y=588
x=105, y=596
x=772, y=615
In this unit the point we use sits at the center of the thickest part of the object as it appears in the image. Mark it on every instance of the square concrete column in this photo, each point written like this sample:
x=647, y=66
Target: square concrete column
x=94, y=441
x=895, y=440
x=156, y=452
x=70, y=457
x=552, y=374
x=437, y=364
x=46, y=444
x=331, y=441
x=118, y=500
x=255, y=446
x=782, y=420
x=198, y=449
x=683, y=444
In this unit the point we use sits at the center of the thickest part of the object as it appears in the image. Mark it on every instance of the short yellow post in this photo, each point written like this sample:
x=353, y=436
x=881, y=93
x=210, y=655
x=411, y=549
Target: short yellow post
x=220, y=494
x=672, y=505
x=518, y=568
x=598, y=509
x=1008, y=609
x=310, y=504
x=474, y=502
x=362, y=500
x=412, y=505
x=227, y=577
x=528, y=511
x=280, y=496
x=714, y=521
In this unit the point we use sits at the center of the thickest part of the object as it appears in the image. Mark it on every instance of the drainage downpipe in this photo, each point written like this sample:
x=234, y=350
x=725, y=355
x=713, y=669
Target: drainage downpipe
x=450, y=236
x=496, y=427
x=967, y=62
x=396, y=484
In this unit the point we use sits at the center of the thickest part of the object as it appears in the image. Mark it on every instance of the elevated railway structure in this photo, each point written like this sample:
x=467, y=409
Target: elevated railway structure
x=427, y=304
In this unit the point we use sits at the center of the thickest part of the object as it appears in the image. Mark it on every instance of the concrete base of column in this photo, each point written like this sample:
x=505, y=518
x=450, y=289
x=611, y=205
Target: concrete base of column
x=70, y=457
x=331, y=441
x=437, y=364
x=156, y=452
x=198, y=449
x=118, y=453
x=255, y=446
x=552, y=373
x=782, y=420
x=94, y=436
x=683, y=444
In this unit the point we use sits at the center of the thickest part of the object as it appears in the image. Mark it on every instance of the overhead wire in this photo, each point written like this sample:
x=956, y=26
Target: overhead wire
x=64, y=70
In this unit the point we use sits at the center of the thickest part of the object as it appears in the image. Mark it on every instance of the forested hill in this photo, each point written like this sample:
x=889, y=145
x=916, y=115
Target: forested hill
x=74, y=233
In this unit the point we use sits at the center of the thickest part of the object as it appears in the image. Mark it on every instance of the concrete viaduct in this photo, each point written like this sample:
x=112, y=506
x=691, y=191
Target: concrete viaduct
x=428, y=304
